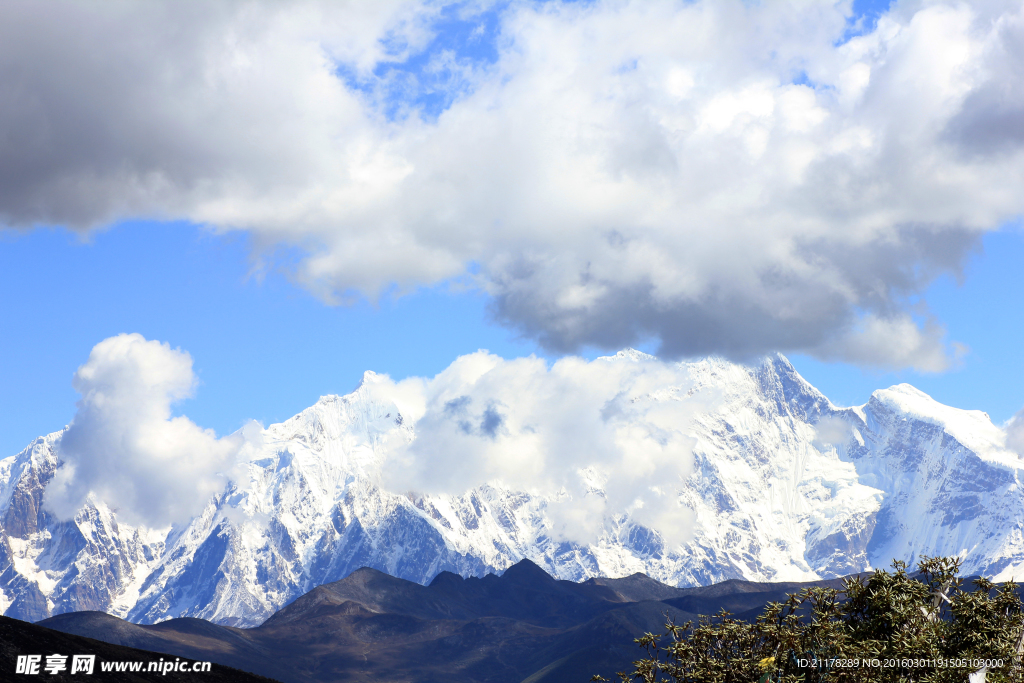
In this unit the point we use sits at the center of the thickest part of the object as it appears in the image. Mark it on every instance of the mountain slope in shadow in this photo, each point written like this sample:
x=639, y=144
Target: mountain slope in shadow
x=522, y=626
x=23, y=638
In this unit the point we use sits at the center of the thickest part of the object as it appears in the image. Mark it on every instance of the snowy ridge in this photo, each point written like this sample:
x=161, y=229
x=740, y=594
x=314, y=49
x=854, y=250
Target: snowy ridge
x=785, y=486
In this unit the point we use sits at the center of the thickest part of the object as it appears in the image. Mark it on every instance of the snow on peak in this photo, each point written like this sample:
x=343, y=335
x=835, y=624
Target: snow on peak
x=972, y=428
x=629, y=354
x=766, y=498
x=371, y=377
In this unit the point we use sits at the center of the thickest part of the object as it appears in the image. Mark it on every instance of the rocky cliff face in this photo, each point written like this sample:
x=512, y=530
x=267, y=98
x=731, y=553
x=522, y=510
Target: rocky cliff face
x=784, y=486
x=48, y=566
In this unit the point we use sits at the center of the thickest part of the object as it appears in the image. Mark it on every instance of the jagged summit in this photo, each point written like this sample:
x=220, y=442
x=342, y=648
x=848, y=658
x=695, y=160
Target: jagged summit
x=784, y=485
x=525, y=571
x=629, y=354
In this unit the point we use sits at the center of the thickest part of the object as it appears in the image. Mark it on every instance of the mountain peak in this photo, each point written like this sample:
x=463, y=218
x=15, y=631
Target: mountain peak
x=972, y=428
x=629, y=354
x=371, y=377
x=912, y=402
x=446, y=578
x=526, y=571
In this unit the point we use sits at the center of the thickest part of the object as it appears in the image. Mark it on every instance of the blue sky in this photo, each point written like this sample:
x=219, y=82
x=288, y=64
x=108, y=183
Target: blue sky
x=414, y=169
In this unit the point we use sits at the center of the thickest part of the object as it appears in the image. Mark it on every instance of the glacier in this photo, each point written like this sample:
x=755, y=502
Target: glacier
x=784, y=486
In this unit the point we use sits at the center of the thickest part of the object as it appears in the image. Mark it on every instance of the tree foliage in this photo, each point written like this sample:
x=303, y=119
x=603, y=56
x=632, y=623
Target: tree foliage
x=891, y=627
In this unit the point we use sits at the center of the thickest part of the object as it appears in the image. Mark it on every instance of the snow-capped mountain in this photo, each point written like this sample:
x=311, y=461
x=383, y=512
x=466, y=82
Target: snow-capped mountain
x=784, y=486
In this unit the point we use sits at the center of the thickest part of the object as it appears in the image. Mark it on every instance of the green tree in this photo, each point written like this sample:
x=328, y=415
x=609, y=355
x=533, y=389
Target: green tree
x=889, y=627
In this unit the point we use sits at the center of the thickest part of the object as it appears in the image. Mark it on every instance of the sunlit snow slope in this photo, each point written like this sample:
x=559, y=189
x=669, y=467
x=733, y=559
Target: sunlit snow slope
x=784, y=486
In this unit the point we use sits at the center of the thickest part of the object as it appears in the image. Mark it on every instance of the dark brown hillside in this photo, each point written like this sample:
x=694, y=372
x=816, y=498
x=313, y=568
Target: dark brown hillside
x=23, y=638
x=372, y=628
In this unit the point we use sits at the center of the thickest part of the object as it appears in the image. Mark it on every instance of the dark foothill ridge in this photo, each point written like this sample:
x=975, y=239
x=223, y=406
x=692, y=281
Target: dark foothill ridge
x=521, y=627
x=23, y=638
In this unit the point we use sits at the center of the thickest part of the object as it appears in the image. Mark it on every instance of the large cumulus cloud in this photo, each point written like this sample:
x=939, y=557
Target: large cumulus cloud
x=125, y=448
x=721, y=176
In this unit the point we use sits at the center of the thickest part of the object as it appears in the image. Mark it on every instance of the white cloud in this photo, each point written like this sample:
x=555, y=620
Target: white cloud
x=564, y=432
x=125, y=448
x=1015, y=433
x=832, y=431
x=725, y=176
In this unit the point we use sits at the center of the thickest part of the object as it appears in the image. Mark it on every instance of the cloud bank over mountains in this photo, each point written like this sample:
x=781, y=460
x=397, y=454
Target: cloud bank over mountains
x=563, y=432
x=597, y=439
x=724, y=177
x=600, y=438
